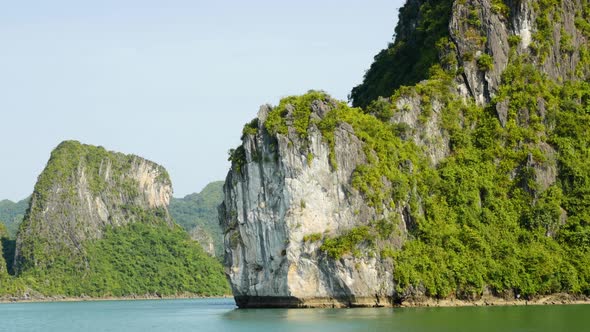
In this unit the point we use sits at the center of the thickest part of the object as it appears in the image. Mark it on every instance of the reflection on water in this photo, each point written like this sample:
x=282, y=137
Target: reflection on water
x=221, y=315
x=287, y=320
x=309, y=315
x=531, y=318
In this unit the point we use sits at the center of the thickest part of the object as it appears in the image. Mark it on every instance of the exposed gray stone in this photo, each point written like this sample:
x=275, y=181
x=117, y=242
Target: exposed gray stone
x=427, y=134
x=74, y=212
x=273, y=201
x=280, y=194
x=502, y=111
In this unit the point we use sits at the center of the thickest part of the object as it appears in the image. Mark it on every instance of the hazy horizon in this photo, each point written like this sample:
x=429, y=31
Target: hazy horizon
x=173, y=82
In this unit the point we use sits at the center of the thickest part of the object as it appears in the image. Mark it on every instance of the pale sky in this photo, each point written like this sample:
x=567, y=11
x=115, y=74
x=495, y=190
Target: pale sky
x=173, y=81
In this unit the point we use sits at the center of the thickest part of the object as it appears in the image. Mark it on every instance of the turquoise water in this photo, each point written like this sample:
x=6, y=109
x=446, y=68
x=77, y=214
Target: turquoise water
x=220, y=315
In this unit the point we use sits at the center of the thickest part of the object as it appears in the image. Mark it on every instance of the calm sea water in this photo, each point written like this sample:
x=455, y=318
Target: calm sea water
x=220, y=315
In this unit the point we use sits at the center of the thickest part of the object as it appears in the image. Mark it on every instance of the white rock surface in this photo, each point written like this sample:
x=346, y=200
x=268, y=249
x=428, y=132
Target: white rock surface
x=278, y=197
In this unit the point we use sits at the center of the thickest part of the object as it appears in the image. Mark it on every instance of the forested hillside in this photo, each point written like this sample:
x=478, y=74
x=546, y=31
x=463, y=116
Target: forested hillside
x=98, y=225
x=197, y=214
x=461, y=173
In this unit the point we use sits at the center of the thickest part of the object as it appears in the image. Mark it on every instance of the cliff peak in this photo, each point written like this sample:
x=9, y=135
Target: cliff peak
x=83, y=190
x=475, y=39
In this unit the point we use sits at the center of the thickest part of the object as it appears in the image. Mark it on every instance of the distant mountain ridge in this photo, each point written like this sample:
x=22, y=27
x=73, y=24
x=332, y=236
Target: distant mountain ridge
x=12, y=214
x=197, y=213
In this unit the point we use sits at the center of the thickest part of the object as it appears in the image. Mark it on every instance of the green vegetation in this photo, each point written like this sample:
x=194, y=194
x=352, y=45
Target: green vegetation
x=300, y=108
x=313, y=237
x=200, y=210
x=7, y=248
x=64, y=250
x=583, y=18
x=514, y=40
x=386, y=155
x=8, y=284
x=12, y=214
x=3, y=267
x=473, y=18
x=69, y=156
x=548, y=13
x=485, y=62
x=237, y=157
x=565, y=43
x=501, y=230
x=408, y=60
x=136, y=259
x=347, y=242
x=250, y=128
x=499, y=7
x=483, y=218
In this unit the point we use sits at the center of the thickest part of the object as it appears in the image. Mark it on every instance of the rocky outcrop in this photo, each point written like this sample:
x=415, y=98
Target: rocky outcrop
x=205, y=239
x=485, y=32
x=277, y=199
x=485, y=35
x=291, y=189
x=82, y=191
x=480, y=32
x=426, y=133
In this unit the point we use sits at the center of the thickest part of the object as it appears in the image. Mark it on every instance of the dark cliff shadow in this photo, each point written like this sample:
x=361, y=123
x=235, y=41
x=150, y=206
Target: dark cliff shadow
x=8, y=248
x=254, y=302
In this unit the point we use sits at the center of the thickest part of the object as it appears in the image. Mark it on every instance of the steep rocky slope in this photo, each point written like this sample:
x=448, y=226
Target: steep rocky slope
x=196, y=213
x=471, y=181
x=479, y=37
x=82, y=191
x=281, y=198
x=98, y=224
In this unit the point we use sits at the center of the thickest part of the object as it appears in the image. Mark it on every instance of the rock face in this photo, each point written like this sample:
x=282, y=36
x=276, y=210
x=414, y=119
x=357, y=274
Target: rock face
x=275, y=198
x=291, y=189
x=82, y=191
x=482, y=28
x=427, y=134
x=483, y=36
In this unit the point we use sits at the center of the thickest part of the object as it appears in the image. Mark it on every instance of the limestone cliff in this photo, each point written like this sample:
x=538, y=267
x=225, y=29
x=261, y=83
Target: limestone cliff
x=462, y=176
x=484, y=32
x=82, y=191
x=478, y=38
x=285, y=194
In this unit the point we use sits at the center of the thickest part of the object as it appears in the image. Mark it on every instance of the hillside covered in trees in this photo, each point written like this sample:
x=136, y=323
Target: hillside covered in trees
x=98, y=225
x=460, y=173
